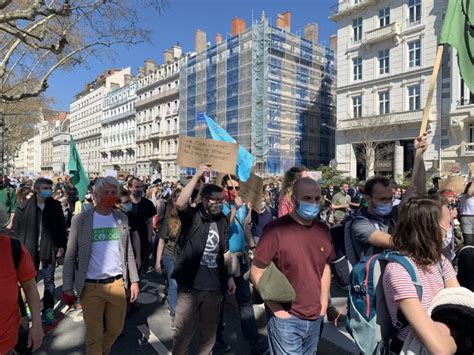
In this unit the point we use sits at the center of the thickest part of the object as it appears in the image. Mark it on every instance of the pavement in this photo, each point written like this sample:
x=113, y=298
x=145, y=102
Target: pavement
x=148, y=330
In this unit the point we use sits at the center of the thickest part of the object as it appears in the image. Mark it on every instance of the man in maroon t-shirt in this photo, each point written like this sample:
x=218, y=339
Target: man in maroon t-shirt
x=301, y=248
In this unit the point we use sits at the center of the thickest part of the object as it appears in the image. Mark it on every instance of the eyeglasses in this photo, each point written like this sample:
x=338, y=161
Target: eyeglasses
x=230, y=188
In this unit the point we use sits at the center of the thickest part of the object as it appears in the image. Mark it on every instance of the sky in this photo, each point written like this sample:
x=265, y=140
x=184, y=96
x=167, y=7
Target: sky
x=178, y=23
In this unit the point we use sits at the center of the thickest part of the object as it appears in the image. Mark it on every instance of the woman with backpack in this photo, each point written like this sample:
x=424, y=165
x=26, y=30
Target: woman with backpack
x=169, y=233
x=421, y=229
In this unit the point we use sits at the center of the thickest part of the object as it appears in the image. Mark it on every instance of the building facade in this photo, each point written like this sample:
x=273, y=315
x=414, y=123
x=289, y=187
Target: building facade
x=21, y=160
x=118, y=129
x=157, y=117
x=86, y=116
x=61, y=140
x=385, y=57
x=34, y=155
x=272, y=90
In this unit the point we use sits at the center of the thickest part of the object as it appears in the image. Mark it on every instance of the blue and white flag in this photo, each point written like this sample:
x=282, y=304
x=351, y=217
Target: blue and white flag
x=244, y=158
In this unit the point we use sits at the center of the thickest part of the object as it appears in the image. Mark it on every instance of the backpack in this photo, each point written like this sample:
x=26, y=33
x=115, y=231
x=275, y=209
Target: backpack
x=340, y=266
x=368, y=320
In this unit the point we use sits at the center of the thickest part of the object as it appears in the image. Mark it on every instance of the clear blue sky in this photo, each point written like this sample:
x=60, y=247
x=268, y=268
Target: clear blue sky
x=178, y=24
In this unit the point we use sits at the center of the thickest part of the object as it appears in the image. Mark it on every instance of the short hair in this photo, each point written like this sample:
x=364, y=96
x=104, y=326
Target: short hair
x=42, y=181
x=301, y=181
x=227, y=178
x=377, y=179
x=130, y=182
x=108, y=180
x=209, y=189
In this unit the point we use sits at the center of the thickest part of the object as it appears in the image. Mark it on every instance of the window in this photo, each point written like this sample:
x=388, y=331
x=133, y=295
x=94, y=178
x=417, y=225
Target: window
x=414, y=11
x=357, y=106
x=384, y=61
x=384, y=102
x=357, y=29
x=414, y=54
x=384, y=17
x=357, y=68
x=414, y=100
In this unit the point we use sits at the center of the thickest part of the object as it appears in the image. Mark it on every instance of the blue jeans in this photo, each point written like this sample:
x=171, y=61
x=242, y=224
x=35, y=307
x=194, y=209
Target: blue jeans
x=293, y=335
x=247, y=315
x=47, y=273
x=168, y=263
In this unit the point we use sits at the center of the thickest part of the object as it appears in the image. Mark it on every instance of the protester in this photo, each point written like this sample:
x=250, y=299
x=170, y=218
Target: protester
x=39, y=224
x=466, y=212
x=7, y=201
x=285, y=204
x=341, y=203
x=420, y=231
x=23, y=194
x=301, y=249
x=169, y=233
x=260, y=218
x=239, y=239
x=199, y=267
x=99, y=263
x=143, y=210
x=10, y=276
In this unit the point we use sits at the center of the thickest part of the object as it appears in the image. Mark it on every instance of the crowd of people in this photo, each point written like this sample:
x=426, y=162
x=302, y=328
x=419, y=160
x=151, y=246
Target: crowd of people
x=209, y=244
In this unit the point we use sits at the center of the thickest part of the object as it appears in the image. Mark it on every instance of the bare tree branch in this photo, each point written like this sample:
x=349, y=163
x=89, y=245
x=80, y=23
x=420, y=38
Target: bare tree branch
x=36, y=9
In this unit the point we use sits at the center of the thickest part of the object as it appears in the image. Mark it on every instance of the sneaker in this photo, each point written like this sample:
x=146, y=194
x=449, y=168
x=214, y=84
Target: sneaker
x=48, y=316
x=221, y=347
x=335, y=316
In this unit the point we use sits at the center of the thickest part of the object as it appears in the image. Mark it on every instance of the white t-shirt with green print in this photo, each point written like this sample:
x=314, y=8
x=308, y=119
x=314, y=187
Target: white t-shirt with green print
x=105, y=260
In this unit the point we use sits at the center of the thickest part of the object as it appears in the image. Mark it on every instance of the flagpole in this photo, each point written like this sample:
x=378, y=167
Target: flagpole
x=426, y=114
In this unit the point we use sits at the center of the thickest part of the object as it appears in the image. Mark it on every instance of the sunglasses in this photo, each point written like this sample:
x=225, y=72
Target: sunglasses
x=230, y=188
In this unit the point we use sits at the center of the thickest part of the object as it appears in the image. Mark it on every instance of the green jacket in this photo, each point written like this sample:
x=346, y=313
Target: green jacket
x=8, y=202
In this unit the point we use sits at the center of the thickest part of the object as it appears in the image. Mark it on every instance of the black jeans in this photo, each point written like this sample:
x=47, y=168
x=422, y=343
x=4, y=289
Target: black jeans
x=247, y=315
x=47, y=273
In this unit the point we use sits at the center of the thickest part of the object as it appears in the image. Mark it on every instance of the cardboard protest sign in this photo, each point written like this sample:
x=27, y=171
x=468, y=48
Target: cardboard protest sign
x=195, y=151
x=449, y=168
x=455, y=183
x=252, y=191
x=112, y=173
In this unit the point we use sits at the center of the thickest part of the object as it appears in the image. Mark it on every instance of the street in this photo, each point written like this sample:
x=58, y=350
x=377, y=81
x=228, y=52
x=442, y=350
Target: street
x=147, y=330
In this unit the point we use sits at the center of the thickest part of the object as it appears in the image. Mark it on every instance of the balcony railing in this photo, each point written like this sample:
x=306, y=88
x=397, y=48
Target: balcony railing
x=345, y=6
x=467, y=149
x=156, y=97
x=381, y=120
x=382, y=33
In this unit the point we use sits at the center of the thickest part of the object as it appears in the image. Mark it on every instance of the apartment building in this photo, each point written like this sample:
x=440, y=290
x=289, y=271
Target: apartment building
x=157, y=117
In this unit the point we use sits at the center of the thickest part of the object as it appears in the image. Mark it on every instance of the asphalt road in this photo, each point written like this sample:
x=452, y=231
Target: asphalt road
x=148, y=330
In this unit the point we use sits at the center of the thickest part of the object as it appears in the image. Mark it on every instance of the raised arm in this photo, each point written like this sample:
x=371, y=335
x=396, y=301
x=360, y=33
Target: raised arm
x=185, y=195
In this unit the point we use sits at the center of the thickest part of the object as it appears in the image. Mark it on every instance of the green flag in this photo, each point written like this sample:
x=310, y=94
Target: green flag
x=77, y=174
x=458, y=31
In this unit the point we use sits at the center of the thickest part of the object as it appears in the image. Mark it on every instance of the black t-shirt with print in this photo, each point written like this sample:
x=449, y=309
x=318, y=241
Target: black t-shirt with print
x=207, y=277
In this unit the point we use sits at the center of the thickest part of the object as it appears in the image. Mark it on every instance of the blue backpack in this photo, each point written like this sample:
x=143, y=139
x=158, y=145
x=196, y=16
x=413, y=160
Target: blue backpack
x=368, y=320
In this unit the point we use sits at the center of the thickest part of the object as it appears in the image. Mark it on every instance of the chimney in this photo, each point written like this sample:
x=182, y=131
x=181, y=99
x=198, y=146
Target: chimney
x=150, y=66
x=168, y=55
x=333, y=42
x=310, y=32
x=218, y=38
x=284, y=21
x=200, y=41
x=141, y=71
x=264, y=17
x=238, y=26
x=177, y=52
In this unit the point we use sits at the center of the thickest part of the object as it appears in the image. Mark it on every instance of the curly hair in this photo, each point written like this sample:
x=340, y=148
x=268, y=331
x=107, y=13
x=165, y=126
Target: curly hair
x=289, y=179
x=418, y=233
x=174, y=223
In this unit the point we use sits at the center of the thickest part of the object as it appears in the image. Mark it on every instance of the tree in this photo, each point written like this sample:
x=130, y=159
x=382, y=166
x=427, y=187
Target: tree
x=37, y=37
x=334, y=177
x=370, y=136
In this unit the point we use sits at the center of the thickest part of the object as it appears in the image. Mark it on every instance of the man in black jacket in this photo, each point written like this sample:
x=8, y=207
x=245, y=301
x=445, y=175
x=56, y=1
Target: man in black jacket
x=39, y=223
x=200, y=269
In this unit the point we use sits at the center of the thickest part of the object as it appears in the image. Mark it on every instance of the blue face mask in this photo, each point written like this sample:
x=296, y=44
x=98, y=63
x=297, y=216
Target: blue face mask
x=307, y=211
x=127, y=207
x=45, y=193
x=383, y=209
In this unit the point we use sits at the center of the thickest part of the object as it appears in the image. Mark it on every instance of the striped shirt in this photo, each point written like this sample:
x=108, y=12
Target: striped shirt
x=398, y=286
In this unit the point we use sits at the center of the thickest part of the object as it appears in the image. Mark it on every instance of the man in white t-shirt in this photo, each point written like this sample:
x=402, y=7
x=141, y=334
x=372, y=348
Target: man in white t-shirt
x=100, y=263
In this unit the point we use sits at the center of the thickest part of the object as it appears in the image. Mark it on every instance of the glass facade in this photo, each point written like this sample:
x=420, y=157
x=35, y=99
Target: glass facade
x=271, y=90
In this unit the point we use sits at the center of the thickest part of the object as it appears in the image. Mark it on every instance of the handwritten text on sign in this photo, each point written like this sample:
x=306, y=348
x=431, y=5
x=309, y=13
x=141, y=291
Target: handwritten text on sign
x=195, y=151
x=252, y=191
